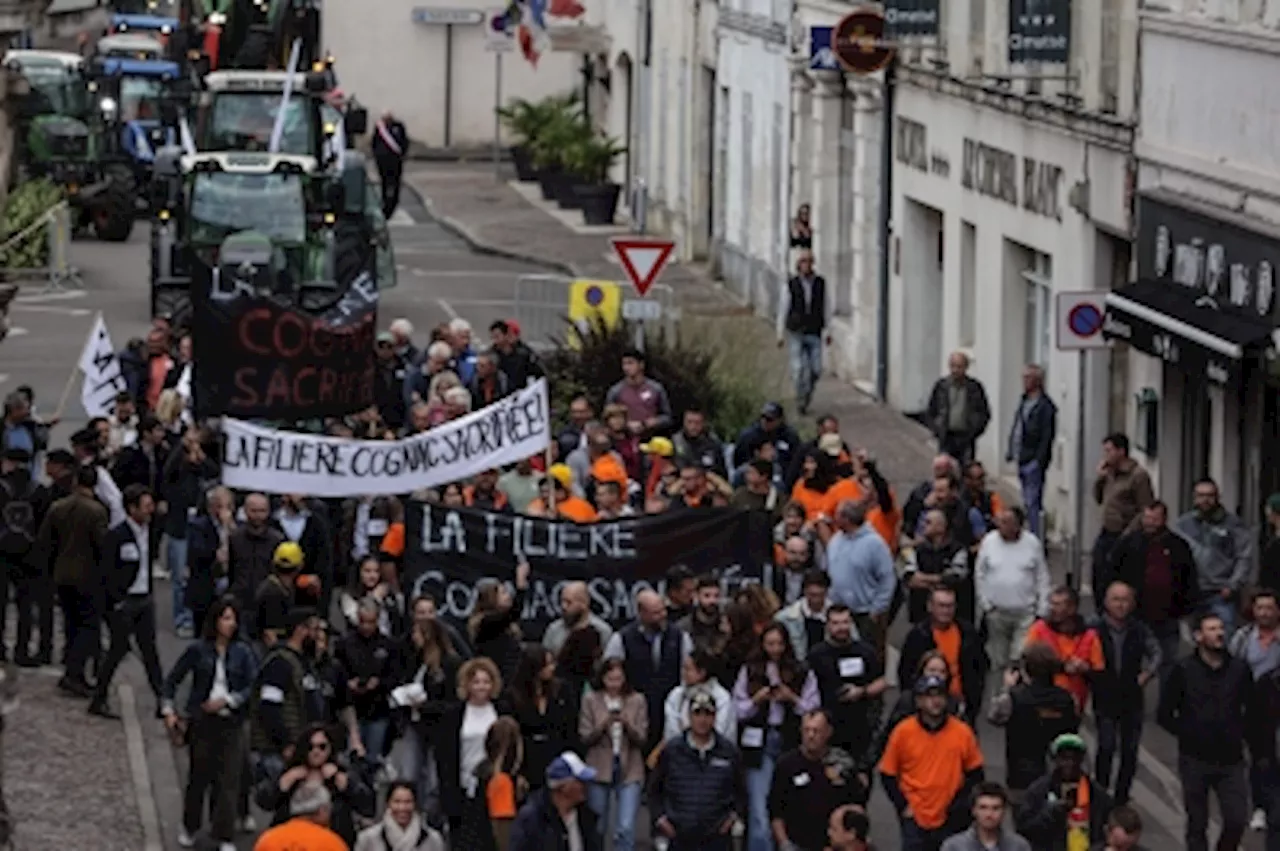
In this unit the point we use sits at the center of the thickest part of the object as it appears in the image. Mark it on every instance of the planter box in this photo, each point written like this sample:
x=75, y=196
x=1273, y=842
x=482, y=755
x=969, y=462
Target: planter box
x=599, y=202
x=566, y=197
x=547, y=181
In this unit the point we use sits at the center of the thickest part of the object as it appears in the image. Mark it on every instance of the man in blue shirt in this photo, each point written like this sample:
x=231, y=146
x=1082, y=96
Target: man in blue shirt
x=861, y=569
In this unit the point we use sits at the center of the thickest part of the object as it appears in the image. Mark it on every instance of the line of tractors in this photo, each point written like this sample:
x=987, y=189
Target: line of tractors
x=211, y=118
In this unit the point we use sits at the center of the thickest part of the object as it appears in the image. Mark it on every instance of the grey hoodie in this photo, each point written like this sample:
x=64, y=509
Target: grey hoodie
x=1222, y=547
x=968, y=841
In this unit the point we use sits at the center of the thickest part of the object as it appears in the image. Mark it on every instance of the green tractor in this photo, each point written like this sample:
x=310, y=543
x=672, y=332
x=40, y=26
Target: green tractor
x=251, y=34
x=320, y=229
x=61, y=135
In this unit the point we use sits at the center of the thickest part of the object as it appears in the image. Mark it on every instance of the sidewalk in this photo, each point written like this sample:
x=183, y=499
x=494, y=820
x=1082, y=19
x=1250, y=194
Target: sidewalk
x=495, y=219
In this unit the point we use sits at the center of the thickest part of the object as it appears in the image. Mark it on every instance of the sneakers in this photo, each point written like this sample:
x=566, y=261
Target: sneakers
x=1259, y=820
x=246, y=825
x=226, y=846
x=185, y=840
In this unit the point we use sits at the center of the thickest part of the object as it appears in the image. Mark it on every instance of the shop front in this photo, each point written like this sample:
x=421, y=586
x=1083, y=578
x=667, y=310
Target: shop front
x=1199, y=323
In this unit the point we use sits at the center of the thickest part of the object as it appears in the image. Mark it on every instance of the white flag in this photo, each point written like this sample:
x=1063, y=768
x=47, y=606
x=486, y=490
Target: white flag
x=101, y=368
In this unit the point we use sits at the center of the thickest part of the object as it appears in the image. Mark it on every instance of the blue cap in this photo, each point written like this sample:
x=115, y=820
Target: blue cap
x=924, y=685
x=569, y=766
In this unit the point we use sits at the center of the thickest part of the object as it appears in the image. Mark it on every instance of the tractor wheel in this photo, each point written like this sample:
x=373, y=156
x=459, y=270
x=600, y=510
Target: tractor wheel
x=174, y=303
x=114, y=211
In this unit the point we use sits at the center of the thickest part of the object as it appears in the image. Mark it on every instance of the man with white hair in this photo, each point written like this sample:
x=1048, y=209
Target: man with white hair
x=401, y=331
x=417, y=381
x=464, y=357
x=310, y=807
x=457, y=402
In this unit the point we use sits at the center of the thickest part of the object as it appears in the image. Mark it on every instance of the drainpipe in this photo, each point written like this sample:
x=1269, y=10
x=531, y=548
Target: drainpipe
x=886, y=231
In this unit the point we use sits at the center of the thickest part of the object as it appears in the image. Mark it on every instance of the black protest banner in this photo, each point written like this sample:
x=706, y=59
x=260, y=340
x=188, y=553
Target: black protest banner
x=449, y=550
x=259, y=357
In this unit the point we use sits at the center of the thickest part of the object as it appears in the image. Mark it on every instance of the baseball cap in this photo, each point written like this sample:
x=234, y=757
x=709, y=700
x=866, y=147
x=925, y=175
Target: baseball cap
x=513, y=328
x=1067, y=741
x=562, y=474
x=385, y=337
x=831, y=444
x=288, y=554
x=702, y=702
x=569, y=766
x=924, y=685
x=658, y=446
x=771, y=411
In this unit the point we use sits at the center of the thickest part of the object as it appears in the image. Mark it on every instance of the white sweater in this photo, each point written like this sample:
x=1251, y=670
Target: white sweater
x=1012, y=575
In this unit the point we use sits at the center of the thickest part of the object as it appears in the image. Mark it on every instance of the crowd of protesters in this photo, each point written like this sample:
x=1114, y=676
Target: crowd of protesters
x=355, y=715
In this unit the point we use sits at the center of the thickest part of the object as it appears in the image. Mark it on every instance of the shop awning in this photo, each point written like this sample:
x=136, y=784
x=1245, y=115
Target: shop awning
x=1164, y=320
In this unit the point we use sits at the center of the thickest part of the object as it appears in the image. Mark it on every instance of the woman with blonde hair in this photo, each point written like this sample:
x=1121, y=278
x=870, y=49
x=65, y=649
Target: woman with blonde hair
x=762, y=602
x=441, y=383
x=460, y=746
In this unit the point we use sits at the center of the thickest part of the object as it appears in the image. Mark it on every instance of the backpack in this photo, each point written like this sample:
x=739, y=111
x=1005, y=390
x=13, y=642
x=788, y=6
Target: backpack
x=17, y=518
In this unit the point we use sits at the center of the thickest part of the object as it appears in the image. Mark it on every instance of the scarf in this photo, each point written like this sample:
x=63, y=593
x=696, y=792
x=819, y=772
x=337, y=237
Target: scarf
x=1078, y=819
x=399, y=838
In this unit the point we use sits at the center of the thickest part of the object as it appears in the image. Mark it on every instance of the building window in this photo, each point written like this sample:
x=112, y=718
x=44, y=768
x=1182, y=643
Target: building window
x=1109, y=66
x=748, y=130
x=977, y=33
x=1038, y=319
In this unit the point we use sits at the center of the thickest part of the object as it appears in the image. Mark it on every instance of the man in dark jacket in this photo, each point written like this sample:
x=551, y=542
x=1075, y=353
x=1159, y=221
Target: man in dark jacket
x=1159, y=567
x=771, y=428
x=958, y=411
x=556, y=817
x=73, y=539
x=695, y=442
x=390, y=144
x=1031, y=437
x=388, y=381
x=23, y=504
x=653, y=651
x=1206, y=705
x=208, y=536
x=1034, y=713
x=518, y=362
x=1132, y=658
x=250, y=549
x=489, y=384
x=956, y=640
x=304, y=522
x=697, y=791
x=185, y=473
x=1065, y=802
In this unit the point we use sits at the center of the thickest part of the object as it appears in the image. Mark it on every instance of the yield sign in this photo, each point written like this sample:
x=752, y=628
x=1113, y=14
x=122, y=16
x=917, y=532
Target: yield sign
x=643, y=259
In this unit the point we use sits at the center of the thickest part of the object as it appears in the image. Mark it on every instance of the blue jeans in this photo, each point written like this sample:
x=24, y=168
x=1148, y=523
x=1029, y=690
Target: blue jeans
x=1125, y=731
x=418, y=766
x=373, y=734
x=623, y=801
x=1031, y=476
x=917, y=838
x=176, y=555
x=759, y=782
x=806, y=362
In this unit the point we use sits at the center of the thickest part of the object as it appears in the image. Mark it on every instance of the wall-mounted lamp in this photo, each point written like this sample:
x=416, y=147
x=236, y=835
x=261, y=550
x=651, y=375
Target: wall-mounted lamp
x=1147, y=432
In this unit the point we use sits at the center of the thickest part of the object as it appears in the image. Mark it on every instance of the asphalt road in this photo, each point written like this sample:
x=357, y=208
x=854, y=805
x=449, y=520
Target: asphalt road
x=439, y=278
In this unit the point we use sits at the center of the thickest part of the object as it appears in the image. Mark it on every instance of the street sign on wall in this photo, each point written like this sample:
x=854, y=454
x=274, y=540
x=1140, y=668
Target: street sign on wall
x=821, y=56
x=443, y=16
x=498, y=37
x=859, y=42
x=1040, y=31
x=911, y=17
x=1079, y=320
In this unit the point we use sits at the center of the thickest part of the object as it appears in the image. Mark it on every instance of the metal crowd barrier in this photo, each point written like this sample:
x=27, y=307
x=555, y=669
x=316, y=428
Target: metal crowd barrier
x=54, y=225
x=542, y=307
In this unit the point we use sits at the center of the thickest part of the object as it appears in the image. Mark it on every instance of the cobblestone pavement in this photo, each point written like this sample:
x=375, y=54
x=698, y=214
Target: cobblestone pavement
x=67, y=779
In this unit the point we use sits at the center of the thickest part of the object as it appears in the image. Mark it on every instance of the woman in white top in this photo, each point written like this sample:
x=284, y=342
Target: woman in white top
x=696, y=678
x=460, y=752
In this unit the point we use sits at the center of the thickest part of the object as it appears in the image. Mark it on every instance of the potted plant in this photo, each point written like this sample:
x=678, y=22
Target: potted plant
x=525, y=120
x=552, y=156
x=592, y=160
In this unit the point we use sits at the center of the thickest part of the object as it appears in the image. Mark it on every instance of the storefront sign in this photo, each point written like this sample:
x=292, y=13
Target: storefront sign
x=1039, y=31
x=450, y=550
x=911, y=146
x=1151, y=338
x=993, y=172
x=1233, y=267
x=264, y=459
x=911, y=18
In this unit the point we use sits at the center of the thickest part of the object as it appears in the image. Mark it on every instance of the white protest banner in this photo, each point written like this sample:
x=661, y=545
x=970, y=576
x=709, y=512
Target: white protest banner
x=101, y=368
x=271, y=461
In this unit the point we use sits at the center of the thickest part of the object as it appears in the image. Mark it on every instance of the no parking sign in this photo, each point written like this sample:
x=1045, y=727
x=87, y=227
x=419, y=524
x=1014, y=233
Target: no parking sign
x=1080, y=316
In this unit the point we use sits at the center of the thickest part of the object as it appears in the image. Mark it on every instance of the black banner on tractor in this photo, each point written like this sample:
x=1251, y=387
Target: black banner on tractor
x=261, y=357
x=449, y=550
x=1040, y=31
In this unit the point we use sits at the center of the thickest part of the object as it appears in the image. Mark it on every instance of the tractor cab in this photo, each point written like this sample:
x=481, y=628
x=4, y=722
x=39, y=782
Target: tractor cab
x=239, y=111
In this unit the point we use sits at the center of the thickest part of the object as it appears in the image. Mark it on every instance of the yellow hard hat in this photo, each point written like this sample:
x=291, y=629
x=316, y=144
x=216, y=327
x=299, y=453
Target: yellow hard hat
x=660, y=446
x=288, y=555
x=562, y=474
